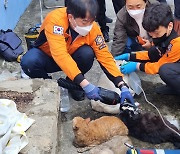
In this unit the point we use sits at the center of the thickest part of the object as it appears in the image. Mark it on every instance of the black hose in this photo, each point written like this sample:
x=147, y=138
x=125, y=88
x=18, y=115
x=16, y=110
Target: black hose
x=68, y=84
x=108, y=97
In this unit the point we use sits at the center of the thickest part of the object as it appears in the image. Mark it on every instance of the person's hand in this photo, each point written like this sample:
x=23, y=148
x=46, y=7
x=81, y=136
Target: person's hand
x=126, y=95
x=129, y=67
x=147, y=44
x=123, y=57
x=92, y=92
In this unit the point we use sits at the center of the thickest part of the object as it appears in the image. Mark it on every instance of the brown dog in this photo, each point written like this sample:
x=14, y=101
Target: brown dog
x=90, y=133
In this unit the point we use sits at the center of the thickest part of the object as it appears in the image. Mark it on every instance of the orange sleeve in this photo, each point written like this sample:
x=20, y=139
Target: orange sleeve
x=142, y=55
x=171, y=56
x=58, y=48
x=105, y=58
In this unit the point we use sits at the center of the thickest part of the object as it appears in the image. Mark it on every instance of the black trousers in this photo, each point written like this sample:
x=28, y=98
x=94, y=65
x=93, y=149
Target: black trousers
x=162, y=1
x=66, y=2
x=118, y=4
x=177, y=9
x=101, y=17
x=170, y=74
x=37, y=64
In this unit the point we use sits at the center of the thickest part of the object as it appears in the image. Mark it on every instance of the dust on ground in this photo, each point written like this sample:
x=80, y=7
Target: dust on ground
x=22, y=100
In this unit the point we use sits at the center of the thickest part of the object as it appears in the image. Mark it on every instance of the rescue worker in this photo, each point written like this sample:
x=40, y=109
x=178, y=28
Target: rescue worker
x=164, y=56
x=129, y=34
x=69, y=40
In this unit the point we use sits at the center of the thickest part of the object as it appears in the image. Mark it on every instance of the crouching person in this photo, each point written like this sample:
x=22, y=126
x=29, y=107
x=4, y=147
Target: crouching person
x=69, y=40
x=164, y=56
x=170, y=74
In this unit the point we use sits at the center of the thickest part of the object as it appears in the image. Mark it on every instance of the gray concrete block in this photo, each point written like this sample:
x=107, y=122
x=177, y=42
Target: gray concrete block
x=42, y=135
x=20, y=85
x=44, y=109
x=113, y=146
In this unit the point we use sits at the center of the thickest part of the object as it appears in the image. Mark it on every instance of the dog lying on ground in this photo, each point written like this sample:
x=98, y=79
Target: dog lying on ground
x=91, y=133
x=149, y=127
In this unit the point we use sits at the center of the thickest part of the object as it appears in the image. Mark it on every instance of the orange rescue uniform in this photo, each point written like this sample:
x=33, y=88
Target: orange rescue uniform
x=171, y=55
x=55, y=40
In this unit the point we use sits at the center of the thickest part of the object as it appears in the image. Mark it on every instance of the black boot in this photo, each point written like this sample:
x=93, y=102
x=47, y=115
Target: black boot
x=105, y=33
x=108, y=20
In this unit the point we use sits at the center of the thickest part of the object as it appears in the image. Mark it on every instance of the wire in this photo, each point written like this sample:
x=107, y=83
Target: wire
x=156, y=109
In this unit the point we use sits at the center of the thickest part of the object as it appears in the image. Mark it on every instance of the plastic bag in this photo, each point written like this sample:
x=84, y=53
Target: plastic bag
x=13, y=125
x=135, y=82
x=6, y=75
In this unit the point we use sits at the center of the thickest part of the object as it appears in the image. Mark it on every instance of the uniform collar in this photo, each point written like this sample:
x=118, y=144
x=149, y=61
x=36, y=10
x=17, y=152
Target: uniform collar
x=172, y=36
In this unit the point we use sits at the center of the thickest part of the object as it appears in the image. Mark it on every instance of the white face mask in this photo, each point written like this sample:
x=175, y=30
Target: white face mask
x=83, y=31
x=136, y=14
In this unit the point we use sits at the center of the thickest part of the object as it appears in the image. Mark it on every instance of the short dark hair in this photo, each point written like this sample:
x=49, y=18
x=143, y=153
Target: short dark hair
x=79, y=8
x=157, y=15
x=143, y=0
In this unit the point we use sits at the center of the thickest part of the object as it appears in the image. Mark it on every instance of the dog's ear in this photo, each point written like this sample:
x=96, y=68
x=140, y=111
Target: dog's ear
x=135, y=116
x=75, y=128
x=87, y=120
x=128, y=113
x=76, y=121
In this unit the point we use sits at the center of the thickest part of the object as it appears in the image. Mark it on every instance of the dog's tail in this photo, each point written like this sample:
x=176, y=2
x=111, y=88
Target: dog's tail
x=175, y=138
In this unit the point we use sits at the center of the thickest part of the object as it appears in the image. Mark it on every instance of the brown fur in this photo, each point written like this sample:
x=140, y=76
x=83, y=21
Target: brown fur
x=90, y=133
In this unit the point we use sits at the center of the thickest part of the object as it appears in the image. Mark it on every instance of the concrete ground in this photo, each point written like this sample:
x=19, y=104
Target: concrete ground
x=168, y=105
